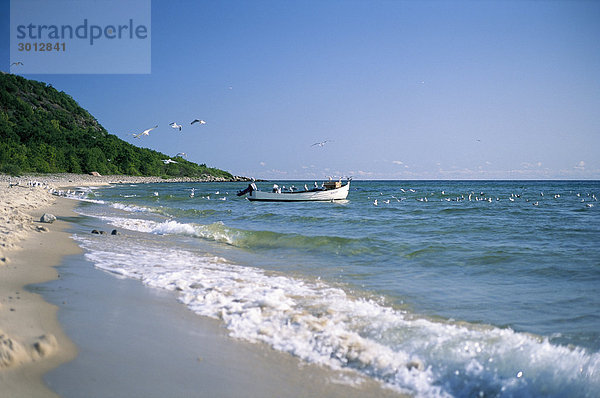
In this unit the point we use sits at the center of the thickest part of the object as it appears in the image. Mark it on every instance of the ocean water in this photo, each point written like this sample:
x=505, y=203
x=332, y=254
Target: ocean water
x=442, y=289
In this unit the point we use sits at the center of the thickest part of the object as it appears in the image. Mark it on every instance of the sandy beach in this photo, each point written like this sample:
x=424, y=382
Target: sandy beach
x=115, y=337
x=31, y=339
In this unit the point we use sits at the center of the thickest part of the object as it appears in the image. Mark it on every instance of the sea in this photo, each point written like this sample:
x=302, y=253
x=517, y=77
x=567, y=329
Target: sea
x=432, y=288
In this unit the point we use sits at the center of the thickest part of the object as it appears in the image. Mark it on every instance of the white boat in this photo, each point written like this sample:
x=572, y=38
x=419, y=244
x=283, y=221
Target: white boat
x=331, y=190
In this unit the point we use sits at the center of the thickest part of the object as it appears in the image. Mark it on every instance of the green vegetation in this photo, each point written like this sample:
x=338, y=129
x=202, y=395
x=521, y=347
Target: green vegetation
x=43, y=130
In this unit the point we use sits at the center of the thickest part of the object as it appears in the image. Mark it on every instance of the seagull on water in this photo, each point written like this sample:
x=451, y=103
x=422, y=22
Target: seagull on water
x=167, y=161
x=322, y=143
x=175, y=125
x=145, y=132
x=198, y=121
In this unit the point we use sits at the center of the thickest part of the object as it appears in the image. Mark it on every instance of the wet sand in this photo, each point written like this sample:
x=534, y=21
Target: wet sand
x=136, y=341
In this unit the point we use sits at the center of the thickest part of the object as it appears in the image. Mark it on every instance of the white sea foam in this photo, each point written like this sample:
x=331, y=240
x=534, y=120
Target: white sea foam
x=81, y=194
x=130, y=208
x=323, y=324
x=97, y=201
x=84, y=199
x=216, y=231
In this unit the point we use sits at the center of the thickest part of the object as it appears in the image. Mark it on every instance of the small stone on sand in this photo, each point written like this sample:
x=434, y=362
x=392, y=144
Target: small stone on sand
x=48, y=218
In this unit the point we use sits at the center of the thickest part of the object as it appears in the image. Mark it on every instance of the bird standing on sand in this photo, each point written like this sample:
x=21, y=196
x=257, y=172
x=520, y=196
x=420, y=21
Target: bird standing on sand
x=175, y=126
x=198, y=121
x=145, y=132
x=322, y=143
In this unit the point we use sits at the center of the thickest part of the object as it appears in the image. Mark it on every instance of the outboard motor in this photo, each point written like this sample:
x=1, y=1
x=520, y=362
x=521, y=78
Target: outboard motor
x=251, y=187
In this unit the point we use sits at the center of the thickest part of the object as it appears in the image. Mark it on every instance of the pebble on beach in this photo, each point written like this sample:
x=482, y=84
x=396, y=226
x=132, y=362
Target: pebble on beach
x=48, y=218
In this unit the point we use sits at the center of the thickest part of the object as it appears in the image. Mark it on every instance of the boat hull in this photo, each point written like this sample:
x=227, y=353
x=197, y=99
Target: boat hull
x=301, y=196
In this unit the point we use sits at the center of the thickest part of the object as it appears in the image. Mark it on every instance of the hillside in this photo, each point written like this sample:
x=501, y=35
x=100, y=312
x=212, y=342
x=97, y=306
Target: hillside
x=43, y=130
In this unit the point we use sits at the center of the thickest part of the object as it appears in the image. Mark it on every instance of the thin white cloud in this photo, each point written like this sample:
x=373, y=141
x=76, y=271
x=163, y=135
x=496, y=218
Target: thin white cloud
x=400, y=163
x=279, y=171
x=528, y=165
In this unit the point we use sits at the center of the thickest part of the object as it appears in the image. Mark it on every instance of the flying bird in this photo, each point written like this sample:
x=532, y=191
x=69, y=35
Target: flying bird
x=198, y=121
x=18, y=63
x=322, y=143
x=176, y=126
x=181, y=154
x=167, y=161
x=145, y=132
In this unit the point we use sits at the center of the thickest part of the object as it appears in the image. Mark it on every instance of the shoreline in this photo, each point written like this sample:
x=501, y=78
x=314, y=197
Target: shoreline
x=66, y=180
x=135, y=340
x=53, y=326
x=32, y=341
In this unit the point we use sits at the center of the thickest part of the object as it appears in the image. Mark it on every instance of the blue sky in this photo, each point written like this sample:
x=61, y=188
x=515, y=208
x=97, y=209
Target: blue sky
x=402, y=89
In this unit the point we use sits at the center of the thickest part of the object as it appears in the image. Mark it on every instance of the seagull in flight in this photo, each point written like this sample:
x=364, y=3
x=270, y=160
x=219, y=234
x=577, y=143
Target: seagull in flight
x=322, y=143
x=18, y=63
x=198, y=121
x=181, y=154
x=175, y=125
x=167, y=161
x=145, y=132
